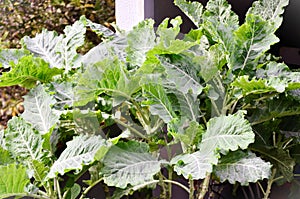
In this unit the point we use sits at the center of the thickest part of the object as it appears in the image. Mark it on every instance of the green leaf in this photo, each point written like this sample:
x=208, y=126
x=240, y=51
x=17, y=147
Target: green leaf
x=10, y=57
x=254, y=86
x=99, y=29
x=220, y=22
x=38, y=112
x=80, y=151
x=279, y=158
x=192, y=9
x=195, y=165
x=107, y=76
x=74, y=191
x=227, y=133
x=269, y=10
x=274, y=108
x=5, y=157
x=40, y=171
x=253, y=39
x=27, y=72
x=191, y=136
x=159, y=102
x=129, y=163
x=242, y=167
x=22, y=141
x=140, y=40
x=13, y=180
x=188, y=105
x=182, y=79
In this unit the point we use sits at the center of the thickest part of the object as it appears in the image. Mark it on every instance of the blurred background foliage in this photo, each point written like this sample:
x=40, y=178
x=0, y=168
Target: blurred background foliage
x=21, y=18
x=28, y=17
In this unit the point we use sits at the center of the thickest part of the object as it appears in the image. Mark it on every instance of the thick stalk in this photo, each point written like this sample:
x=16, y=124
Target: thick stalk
x=192, y=188
x=270, y=183
x=204, y=186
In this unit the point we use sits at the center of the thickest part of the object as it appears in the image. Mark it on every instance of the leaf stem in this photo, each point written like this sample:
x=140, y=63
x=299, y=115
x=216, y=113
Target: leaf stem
x=89, y=188
x=204, y=186
x=192, y=188
x=133, y=130
x=270, y=182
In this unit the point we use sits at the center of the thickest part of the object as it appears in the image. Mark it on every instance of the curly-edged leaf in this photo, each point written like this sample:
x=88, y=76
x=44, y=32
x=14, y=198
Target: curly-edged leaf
x=27, y=72
x=279, y=76
x=82, y=150
x=182, y=79
x=5, y=157
x=108, y=76
x=279, y=158
x=22, y=141
x=192, y=9
x=159, y=102
x=269, y=10
x=242, y=167
x=195, y=165
x=129, y=163
x=73, y=38
x=253, y=39
x=253, y=86
x=44, y=45
x=140, y=40
x=38, y=110
x=274, y=108
x=9, y=56
x=219, y=21
x=13, y=180
x=227, y=133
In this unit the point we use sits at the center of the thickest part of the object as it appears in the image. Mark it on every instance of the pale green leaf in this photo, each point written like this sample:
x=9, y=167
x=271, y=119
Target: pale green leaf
x=99, y=29
x=129, y=163
x=227, y=133
x=159, y=102
x=66, y=48
x=40, y=171
x=9, y=56
x=22, y=141
x=140, y=40
x=269, y=10
x=192, y=9
x=253, y=39
x=219, y=21
x=182, y=79
x=242, y=167
x=27, y=72
x=188, y=105
x=13, y=180
x=108, y=76
x=79, y=152
x=38, y=110
x=74, y=191
x=196, y=165
x=44, y=45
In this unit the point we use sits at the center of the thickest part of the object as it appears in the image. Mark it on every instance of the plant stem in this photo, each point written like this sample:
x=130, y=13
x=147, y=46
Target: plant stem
x=133, y=130
x=204, y=186
x=89, y=188
x=270, y=182
x=192, y=188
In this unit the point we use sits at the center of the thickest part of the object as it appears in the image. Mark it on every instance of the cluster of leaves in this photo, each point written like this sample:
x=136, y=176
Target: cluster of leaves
x=18, y=21
x=216, y=93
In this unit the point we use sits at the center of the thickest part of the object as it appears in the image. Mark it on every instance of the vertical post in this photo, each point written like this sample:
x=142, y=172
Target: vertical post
x=130, y=12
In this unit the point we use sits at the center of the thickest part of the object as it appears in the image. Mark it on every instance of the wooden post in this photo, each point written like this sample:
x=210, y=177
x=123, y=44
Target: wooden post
x=130, y=12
